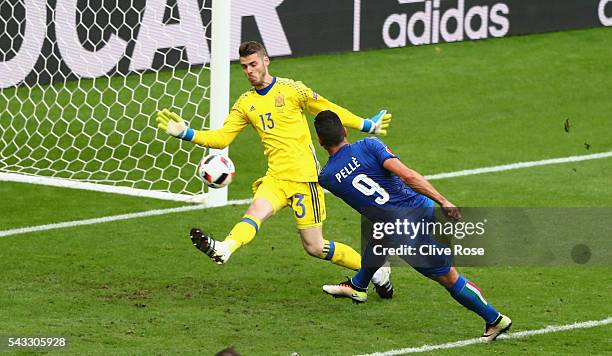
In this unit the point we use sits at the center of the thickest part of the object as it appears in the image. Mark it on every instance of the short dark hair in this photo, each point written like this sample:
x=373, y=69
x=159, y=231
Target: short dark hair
x=249, y=47
x=329, y=128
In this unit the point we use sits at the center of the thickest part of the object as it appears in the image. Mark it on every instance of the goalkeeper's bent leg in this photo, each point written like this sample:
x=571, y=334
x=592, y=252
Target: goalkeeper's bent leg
x=335, y=252
x=245, y=230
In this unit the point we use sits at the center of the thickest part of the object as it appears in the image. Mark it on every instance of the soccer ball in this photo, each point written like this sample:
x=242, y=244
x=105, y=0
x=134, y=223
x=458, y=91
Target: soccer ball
x=216, y=171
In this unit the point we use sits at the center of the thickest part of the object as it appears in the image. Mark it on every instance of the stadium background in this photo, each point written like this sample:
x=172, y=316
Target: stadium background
x=129, y=285
x=298, y=28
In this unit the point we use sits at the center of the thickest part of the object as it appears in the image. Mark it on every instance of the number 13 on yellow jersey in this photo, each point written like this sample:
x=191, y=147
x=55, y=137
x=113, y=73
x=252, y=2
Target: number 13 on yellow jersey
x=266, y=121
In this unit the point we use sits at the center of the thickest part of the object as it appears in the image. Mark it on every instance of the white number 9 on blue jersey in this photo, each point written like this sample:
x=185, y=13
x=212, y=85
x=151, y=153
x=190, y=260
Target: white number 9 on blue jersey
x=368, y=187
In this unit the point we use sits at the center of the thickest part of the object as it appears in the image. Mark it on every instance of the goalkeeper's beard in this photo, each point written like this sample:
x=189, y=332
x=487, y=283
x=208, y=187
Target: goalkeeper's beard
x=259, y=82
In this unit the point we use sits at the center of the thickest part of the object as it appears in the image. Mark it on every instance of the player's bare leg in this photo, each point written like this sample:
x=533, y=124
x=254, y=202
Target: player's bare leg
x=242, y=233
x=468, y=295
x=343, y=255
x=335, y=252
x=312, y=240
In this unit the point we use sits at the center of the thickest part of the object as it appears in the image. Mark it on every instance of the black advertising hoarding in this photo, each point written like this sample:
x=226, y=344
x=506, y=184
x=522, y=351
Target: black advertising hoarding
x=398, y=23
x=47, y=40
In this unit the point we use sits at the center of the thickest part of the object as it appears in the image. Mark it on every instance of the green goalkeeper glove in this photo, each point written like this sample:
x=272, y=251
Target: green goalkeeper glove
x=377, y=124
x=173, y=125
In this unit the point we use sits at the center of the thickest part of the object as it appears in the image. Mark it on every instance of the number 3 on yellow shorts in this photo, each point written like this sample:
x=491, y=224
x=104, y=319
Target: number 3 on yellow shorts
x=305, y=199
x=308, y=205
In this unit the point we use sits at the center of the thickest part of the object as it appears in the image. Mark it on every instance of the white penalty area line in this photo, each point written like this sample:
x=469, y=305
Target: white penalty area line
x=516, y=335
x=520, y=165
x=468, y=172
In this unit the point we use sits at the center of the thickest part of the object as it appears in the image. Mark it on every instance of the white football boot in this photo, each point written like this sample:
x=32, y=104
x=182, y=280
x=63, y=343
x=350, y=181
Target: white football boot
x=382, y=281
x=347, y=290
x=500, y=326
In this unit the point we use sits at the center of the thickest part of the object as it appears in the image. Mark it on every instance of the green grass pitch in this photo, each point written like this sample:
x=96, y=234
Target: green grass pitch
x=138, y=287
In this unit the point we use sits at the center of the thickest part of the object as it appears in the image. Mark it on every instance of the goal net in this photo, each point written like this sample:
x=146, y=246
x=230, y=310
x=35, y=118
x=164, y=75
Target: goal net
x=82, y=80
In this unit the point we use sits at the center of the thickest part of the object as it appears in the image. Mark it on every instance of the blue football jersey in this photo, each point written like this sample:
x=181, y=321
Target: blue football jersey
x=356, y=174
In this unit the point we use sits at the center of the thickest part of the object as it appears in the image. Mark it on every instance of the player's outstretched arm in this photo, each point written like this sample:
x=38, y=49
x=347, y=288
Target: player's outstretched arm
x=419, y=184
x=175, y=126
x=377, y=124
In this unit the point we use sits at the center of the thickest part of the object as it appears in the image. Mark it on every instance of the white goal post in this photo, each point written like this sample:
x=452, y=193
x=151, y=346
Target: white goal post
x=80, y=89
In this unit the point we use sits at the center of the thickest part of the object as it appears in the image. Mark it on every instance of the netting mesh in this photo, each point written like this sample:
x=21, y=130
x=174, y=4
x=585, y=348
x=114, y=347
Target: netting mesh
x=76, y=116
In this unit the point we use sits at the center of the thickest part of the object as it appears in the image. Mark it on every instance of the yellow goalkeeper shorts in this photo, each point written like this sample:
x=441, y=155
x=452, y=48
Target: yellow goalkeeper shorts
x=305, y=199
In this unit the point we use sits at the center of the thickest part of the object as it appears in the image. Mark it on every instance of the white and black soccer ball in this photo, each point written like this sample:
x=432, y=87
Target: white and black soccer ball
x=216, y=171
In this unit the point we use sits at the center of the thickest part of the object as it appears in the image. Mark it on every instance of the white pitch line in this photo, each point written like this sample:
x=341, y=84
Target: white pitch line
x=519, y=165
x=25, y=230
x=505, y=167
x=517, y=335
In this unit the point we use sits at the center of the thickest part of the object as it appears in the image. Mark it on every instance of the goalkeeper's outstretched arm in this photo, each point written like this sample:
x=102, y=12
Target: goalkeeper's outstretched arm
x=376, y=125
x=175, y=126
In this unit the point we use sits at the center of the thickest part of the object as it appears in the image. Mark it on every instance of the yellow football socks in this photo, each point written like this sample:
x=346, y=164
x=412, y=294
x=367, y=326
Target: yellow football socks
x=243, y=232
x=341, y=254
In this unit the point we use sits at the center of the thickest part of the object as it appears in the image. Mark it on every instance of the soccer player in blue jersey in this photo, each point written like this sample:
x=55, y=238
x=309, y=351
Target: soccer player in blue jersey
x=370, y=178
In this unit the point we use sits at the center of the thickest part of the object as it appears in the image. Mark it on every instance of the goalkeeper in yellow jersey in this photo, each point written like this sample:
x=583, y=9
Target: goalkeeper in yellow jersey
x=275, y=107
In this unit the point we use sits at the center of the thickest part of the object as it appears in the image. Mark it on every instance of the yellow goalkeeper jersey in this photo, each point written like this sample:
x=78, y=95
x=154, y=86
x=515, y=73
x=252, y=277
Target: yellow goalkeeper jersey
x=277, y=113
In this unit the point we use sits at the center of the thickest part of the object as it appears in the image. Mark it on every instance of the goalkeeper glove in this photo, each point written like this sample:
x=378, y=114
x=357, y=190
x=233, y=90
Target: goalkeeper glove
x=377, y=124
x=173, y=125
